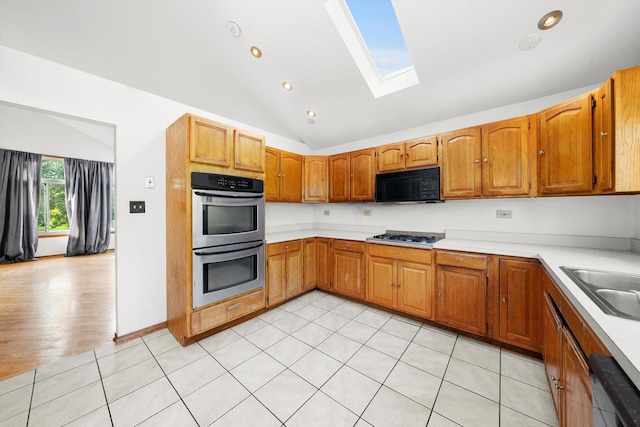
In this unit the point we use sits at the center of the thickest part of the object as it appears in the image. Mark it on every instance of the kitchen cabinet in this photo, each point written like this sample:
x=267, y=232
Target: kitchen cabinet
x=565, y=147
x=352, y=176
x=284, y=271
x=323, y=254
x=195, y=144
x=519, y=305
x=489, y=161
x=310, y=264
x=347, y=268
x=603, y=133
x=230, y=151
x=315, y=186
x=416, y=153
x=283, y=179
x=461, y=291
x=401, y=278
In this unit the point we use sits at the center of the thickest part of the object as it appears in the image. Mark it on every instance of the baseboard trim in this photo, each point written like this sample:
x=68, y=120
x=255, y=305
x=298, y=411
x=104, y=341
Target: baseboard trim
x=137, y=334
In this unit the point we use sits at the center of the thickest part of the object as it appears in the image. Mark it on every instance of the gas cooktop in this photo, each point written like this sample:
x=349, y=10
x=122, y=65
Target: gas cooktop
x=404, y=238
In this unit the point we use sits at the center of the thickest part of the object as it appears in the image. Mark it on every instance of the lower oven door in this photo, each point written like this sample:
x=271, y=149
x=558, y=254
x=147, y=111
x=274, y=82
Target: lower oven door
x=221, y=272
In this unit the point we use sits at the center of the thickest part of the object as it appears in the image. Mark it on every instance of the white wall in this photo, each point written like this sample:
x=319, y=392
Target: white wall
x=140, y=120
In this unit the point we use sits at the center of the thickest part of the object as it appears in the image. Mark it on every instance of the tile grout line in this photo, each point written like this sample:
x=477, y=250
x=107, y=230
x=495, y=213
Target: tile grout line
x=33, y=388
x=104, y=392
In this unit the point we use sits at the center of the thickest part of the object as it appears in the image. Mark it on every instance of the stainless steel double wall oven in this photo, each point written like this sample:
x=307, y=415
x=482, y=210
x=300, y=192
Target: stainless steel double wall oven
x=227, y=236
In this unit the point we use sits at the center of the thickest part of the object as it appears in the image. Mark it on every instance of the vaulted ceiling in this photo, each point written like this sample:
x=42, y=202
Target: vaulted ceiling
x=466, y=54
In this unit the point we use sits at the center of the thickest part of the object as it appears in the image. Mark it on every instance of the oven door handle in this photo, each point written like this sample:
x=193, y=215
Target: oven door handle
x=226, y=250
x=228, y=196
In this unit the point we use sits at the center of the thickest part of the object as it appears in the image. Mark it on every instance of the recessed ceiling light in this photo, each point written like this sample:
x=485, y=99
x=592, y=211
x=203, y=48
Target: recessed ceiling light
x=256, y=52
x=311, y=113
x=287, y=86
x=234, y=29
x=550, y=20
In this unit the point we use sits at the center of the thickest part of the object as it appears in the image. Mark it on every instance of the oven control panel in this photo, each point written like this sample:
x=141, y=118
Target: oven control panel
x=211, y=181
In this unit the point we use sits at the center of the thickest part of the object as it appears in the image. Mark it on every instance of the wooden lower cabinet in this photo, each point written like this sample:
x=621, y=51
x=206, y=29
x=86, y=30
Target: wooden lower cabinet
x=461, y=291
x=401, y=278
x=209, y=317
x=323, y=254
x=519, y=306
x=284, y=271
x=347, y=268
x=310, y=264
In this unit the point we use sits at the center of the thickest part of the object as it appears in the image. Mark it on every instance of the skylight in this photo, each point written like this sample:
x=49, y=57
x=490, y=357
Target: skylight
x=372, y=35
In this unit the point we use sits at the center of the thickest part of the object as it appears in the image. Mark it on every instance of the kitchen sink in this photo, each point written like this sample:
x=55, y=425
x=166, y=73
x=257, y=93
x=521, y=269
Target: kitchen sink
x=616, y=294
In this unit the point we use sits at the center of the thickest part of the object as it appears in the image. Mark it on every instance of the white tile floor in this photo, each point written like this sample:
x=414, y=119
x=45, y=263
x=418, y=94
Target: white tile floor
x=318, y=360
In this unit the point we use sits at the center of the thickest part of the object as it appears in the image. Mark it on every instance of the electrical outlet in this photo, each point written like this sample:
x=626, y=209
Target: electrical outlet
x=136, y=207
x=366, y=212
x=326, y=213
x=504, y=214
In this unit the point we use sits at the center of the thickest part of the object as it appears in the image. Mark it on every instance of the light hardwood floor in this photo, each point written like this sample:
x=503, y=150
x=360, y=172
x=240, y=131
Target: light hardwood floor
x=53, y=308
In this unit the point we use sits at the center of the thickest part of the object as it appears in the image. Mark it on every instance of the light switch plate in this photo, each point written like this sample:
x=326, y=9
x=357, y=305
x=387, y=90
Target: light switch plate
x=504, y=214
x=149, y=182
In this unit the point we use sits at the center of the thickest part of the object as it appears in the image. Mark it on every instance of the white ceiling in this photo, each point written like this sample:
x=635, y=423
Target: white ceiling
x=465, y=53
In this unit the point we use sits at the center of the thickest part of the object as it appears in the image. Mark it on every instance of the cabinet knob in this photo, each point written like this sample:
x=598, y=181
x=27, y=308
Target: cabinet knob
x=476, y=161
x=554, y=378
x=392, y=285
x=541, y=152
x=602, y=134
x=398, y=285
x=439, y=294
x=486, y=160
x=237, y=162
x=504, y=300
x=347, y=245
x=559, y=387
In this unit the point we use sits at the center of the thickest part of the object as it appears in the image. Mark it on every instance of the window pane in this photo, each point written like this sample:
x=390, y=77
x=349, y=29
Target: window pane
x=52, y=169
x=41, y=220
x=57, y=208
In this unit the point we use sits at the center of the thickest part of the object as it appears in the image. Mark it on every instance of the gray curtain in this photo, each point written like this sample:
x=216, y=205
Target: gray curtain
x=88, y=193
x=19, y=205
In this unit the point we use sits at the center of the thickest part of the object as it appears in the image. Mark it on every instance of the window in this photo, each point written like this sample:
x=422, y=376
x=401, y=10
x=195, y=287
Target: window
x=52, y=218
x=372, y=34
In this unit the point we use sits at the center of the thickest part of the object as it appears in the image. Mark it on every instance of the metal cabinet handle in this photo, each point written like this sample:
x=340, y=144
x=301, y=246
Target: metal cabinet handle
x=286, y=248
x=238, y=162
x=476, y=161
x=439, y=294
x=541, y=152
x=559, y=387
x=554, y=378
x=233, y=307
x=392, y=285
x=398, y=285
x=603, y=134
x=486, y=160
x=504, y=300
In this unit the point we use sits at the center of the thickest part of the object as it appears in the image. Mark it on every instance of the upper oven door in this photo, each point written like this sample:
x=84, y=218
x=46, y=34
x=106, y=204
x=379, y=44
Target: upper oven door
x=226, y=217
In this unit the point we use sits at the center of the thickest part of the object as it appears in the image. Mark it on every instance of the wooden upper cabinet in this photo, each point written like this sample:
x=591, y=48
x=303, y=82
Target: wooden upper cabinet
x=283, y=181
x=391, y=157
x=565, y=147
x=603, y=142
x=340, y=178
x=316, y=174
x=519, y=312
x=363, y=175
x=210, y=142
x=421, y=152
x=352, y=176
x=626, y=99
x=507, y=152
x=249, y=151
x=460, y=164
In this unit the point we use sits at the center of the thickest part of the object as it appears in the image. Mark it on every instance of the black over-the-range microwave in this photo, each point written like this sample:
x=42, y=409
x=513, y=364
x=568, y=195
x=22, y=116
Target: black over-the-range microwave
x=417, y=185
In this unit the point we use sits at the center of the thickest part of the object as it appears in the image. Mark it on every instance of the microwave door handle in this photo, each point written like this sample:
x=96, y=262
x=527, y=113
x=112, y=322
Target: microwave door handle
x=224, y=250
x=198, y=193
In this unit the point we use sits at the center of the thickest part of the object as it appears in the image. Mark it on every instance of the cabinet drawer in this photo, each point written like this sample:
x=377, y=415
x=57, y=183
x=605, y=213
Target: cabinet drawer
x=348, y=245
x=226, y=311
x=282, y=247
x=423, y=256
x=461, y=259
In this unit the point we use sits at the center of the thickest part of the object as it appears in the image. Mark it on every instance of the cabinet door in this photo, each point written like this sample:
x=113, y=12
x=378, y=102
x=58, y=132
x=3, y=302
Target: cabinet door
x=603, y=134
x=339, y=178
x=272, y=175
x=347, y=273
x=310, y=269
x=249, y=151
x=316, y=172
x=461, y=299
x=421, y=152
x=519, y=313
x=577, y=406
x=505, y=158
x=391, y=157
x=210, y=142
x=323, y=252
x=293, y=270
x=551, y=346
x=363, y=175
x=415, y=289
x=276, y=279
x=291, y=177
x=382, y=281
x=565, y=147
x=460, y=162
